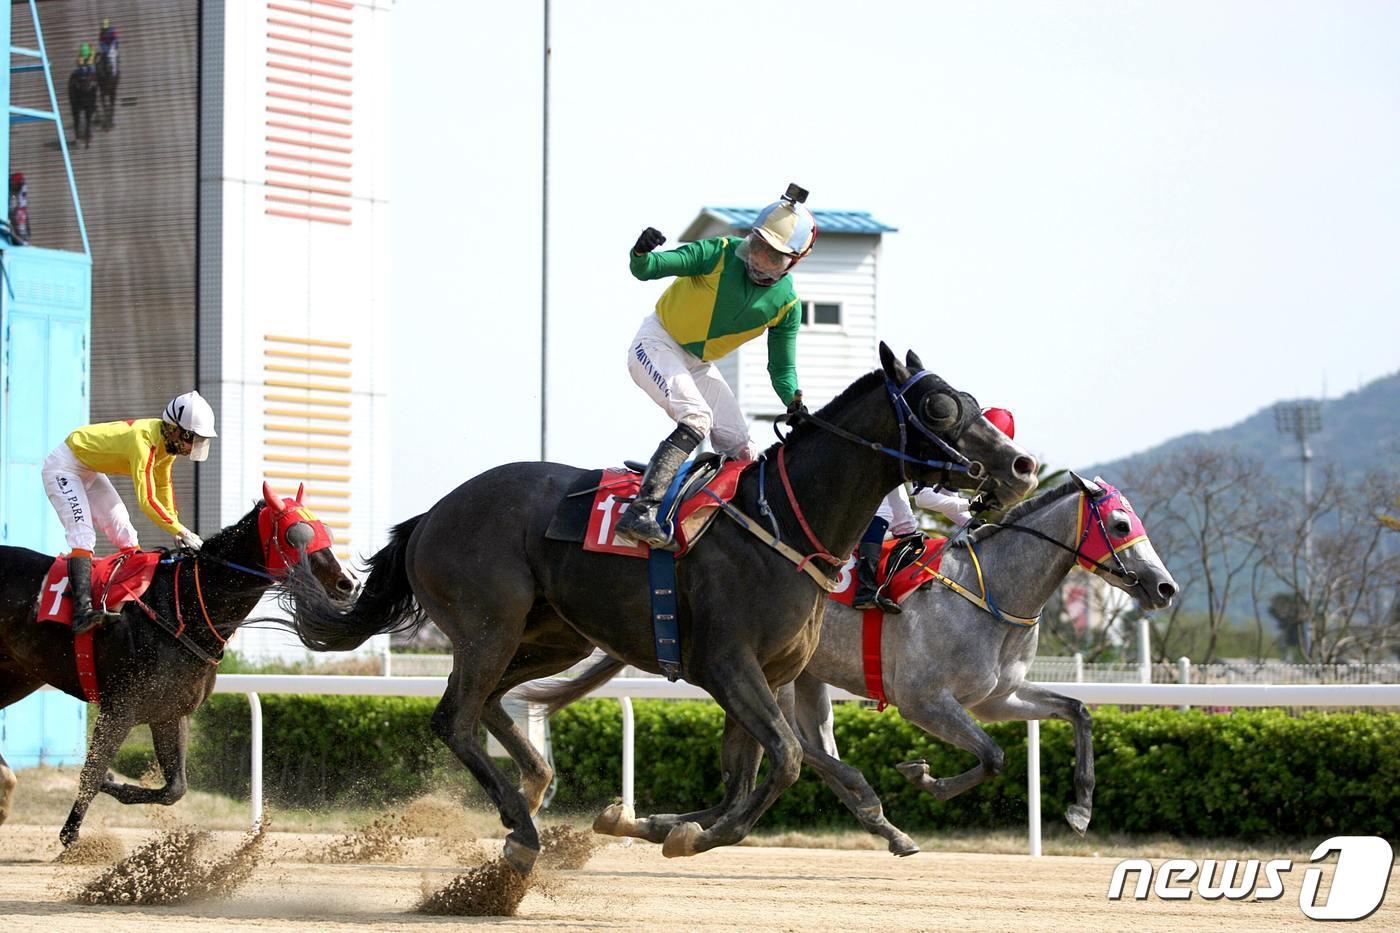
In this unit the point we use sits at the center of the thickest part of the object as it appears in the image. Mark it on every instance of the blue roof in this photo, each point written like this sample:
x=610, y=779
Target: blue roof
x=742, y=218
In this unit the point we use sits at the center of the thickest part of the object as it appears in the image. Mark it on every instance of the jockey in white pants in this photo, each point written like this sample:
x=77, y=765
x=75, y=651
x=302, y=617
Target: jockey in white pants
x=75, y=478
x=727, y=291
x=895, y=515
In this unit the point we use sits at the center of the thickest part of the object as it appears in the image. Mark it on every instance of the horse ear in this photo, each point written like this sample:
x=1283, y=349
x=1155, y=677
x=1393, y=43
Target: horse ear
x=1091, y=489
x=911, y=359
x=301, y=489
x=891, y=365
x=271, y=499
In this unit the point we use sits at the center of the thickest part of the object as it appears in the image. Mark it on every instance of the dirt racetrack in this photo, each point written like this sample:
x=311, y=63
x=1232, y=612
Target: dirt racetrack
x=741, y=887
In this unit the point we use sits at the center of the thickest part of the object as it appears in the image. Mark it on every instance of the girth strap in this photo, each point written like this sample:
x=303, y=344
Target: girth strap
x=665, y=621
x=872, y=628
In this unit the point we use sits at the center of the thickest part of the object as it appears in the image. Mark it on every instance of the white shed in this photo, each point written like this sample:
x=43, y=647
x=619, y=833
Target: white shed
x=837, y=285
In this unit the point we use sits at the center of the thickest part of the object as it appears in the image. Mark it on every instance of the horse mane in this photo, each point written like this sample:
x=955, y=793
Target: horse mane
x=831, y=409
x=1022, y=509
x=219, y=541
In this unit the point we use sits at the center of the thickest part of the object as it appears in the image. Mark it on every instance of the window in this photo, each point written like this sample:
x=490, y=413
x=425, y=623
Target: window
x=821, y=312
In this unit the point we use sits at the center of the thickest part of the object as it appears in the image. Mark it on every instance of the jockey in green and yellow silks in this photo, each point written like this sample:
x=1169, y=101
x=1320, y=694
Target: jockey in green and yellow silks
x=728, y=290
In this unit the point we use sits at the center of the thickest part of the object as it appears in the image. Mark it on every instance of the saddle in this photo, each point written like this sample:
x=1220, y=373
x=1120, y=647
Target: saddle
x=116, y=580
x=591, y=509
x=906, y=564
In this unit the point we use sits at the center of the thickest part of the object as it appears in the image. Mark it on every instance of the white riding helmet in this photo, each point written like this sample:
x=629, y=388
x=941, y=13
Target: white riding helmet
x=192, y=413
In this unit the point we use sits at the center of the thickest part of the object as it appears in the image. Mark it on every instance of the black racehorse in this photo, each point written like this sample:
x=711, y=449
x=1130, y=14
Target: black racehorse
x=517, y=605
x=82, y=100
x=145, y=673
x=107, y=79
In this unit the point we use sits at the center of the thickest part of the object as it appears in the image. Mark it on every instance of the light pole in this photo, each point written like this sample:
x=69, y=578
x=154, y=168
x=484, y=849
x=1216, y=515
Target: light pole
x=544, y=246
x=1299, y=420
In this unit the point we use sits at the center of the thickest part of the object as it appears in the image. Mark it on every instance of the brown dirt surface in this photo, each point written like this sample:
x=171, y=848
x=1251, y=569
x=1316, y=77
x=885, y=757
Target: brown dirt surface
x=635, y=887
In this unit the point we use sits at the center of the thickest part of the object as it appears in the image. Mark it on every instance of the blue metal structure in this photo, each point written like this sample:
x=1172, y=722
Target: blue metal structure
x=45, y=328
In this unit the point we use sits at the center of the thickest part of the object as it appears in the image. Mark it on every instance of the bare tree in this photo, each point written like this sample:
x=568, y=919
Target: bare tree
x=1206, y=510
x=1340, y=590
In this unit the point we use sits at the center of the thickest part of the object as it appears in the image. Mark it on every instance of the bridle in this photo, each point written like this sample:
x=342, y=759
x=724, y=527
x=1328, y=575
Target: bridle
x=1094, y=506
x=905, y=416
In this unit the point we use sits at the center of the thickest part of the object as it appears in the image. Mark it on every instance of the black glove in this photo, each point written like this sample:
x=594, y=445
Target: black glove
x=795, y=409
x=650, y=239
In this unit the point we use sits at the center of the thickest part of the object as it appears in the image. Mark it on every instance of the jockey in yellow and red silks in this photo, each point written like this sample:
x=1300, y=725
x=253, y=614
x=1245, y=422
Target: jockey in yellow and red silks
x=75, y=478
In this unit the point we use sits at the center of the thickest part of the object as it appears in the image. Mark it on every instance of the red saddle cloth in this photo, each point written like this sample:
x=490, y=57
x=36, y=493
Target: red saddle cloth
x=116, y=580
x=618, y=487
x=906, y=580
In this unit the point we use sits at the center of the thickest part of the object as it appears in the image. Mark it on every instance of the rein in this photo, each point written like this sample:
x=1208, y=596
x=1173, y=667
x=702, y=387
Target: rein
x=177, y=632
x=985, y=602
x=904, y=416
x=1096, y=566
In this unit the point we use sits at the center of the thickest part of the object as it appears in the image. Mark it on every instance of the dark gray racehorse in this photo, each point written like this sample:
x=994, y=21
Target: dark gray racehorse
x=945, y=660
x=517, y=606
x=144, y=674
x=108, y=77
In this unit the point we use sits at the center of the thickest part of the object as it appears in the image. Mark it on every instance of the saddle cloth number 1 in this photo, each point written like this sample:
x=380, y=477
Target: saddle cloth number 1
x=58, y=589
x=601, y=522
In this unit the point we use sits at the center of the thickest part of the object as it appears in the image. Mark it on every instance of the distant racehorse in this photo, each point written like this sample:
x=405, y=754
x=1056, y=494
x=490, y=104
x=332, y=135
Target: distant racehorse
x=107, y=79
x=158, y=669
x=82, y=99
x=518, y=605
x=946, y=659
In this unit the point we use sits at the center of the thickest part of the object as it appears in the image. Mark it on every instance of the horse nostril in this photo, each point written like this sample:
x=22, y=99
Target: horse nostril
x=345, y=585
x=1166, y=590
x=1024, y=466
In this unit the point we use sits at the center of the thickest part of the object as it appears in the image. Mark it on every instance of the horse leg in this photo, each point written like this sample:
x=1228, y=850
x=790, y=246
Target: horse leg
x=15, y=685
x=741, y=689
x=170, y=739
x=740, y=757
x=1033, y=702
x=535, y=773
x=107, y=736
x=941, y=716
x=807, y=704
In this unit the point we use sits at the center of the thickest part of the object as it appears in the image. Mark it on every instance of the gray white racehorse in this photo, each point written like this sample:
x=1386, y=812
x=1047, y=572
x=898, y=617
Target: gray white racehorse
x=946, y=659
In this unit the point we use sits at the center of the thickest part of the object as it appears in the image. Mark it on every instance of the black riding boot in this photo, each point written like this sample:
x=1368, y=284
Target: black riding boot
x=85, y=618
x=868, y=595
x=639, y=522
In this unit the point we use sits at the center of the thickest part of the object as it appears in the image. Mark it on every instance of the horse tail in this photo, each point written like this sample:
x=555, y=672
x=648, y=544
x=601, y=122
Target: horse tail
x=384, y=604
x=558, y=692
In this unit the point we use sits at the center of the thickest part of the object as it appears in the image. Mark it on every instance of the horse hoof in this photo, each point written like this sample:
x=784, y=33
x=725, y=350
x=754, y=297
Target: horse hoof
x=913, y=771
x=902, y=845
x=681, y=840
x=8, y=782
x=1078, y=818
x=615, y=820
x=519, y=856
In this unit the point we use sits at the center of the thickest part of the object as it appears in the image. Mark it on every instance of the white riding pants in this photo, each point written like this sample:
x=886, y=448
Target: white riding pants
x=691, y=390
x=85, y=501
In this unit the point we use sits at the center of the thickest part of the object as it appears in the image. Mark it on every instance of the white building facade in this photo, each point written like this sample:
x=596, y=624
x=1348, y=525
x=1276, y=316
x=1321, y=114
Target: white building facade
x=295, y=322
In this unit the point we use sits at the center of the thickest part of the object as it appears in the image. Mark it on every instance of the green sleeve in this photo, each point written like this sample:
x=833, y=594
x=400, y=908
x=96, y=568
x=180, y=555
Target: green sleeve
x=782, y=352
x=696, y=258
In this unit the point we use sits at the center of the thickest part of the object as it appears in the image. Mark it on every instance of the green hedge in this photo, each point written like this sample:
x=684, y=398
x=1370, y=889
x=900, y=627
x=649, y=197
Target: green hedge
x=1248, y=773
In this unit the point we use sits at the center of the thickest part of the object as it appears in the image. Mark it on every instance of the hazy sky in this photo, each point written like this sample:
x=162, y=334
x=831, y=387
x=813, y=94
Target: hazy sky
x=1124, y=221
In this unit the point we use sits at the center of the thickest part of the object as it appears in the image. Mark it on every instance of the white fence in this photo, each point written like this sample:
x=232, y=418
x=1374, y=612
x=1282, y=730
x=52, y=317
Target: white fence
x=626, y=689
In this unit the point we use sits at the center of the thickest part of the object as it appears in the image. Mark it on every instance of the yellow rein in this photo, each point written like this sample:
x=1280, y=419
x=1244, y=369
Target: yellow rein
x=980, y=601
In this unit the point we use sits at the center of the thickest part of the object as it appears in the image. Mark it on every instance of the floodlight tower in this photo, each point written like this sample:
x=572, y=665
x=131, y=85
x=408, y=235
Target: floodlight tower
x=1300, y=420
